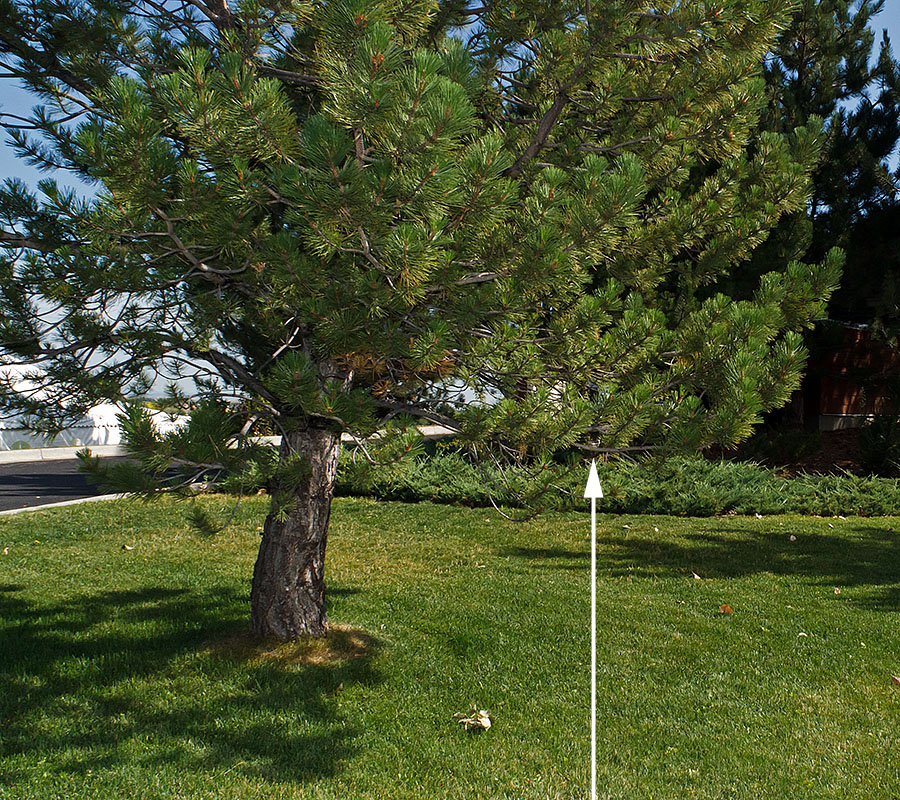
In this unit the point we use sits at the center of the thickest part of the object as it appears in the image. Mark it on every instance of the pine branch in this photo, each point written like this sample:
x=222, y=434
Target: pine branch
x=233, y=367
x=218, y=12
x=645, y=57
x=45, y=60
x=593, y=148
x=548, y=120
x=20, y=241
x=417, y=411
x=302, y=79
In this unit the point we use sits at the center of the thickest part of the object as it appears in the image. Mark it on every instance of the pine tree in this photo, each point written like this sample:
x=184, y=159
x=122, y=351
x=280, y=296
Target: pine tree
x=347, y=217
x=830, y=63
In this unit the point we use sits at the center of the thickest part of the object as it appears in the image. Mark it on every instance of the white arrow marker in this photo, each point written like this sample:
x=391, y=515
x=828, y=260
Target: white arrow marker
x=593, y=490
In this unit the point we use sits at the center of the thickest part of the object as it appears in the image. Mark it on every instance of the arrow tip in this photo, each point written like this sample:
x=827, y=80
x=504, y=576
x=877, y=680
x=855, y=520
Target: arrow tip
x=593, y=488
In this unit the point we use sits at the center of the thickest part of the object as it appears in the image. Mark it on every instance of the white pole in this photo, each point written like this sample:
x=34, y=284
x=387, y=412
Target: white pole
x=593, y=648
x=593, y=490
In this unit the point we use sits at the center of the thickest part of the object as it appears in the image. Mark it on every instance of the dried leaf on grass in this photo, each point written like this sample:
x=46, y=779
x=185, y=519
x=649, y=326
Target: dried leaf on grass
x=726, y=609
x=477, y=719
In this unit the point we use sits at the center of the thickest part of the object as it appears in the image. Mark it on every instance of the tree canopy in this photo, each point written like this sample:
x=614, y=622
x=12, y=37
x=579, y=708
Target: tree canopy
x=348, y=215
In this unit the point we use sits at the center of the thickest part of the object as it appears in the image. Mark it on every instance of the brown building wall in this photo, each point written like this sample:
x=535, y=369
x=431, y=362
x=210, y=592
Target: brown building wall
x=855, y=374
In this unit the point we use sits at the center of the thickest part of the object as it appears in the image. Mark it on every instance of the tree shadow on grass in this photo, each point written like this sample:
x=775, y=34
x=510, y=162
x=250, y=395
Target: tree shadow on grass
x=167, y=676
x=863, y=556
x=558, y=557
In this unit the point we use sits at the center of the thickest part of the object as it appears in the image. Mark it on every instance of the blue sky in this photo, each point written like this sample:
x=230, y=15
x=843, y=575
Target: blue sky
x=890, y=19
x=15, y=100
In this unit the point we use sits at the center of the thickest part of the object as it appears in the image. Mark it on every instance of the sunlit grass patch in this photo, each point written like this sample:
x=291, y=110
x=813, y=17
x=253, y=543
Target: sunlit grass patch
x=130, y=672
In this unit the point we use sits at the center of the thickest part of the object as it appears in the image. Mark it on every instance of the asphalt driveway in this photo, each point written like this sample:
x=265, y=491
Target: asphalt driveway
x=37, y=483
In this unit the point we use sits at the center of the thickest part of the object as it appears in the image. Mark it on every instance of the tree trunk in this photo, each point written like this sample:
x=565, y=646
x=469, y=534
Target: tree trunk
x=287, y=599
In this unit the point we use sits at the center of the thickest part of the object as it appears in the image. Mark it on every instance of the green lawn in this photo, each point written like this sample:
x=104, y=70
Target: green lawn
x=126, y=673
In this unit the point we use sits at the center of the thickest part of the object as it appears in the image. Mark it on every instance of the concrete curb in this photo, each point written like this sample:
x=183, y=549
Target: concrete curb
x=78, y=502
x=106, y=450
x=57, y=453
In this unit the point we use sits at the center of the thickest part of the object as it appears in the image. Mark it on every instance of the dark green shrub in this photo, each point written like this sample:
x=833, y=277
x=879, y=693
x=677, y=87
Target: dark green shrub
x=879, y=444
x=676, y=486
x=777, y=446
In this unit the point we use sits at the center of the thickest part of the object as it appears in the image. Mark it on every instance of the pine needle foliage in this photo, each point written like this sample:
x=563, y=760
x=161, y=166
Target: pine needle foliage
x=365, y=214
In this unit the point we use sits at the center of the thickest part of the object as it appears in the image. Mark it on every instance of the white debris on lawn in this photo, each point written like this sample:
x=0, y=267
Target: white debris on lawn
x=478, y=718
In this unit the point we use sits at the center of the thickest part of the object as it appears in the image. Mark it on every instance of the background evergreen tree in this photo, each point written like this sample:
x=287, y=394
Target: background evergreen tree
x=829, y=62
x=357, y=214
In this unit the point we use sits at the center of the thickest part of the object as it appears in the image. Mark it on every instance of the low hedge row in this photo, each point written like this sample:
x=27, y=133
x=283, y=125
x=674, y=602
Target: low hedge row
x=677, y=486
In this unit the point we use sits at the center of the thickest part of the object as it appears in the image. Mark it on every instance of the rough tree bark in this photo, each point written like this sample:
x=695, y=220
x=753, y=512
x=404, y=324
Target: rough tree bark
x=287, y=598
